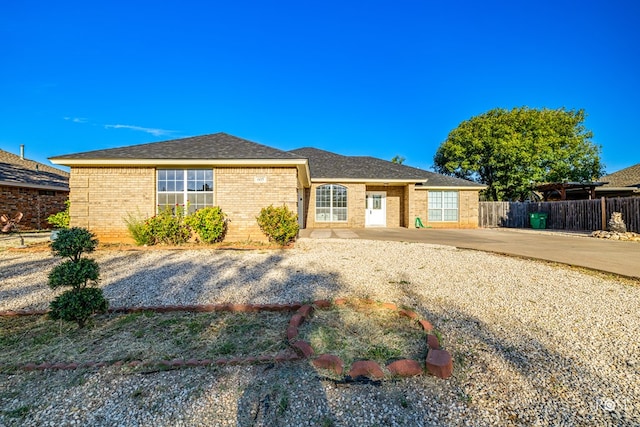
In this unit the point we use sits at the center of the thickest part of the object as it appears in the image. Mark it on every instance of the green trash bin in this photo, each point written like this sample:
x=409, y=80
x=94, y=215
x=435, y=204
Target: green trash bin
x=538, y=220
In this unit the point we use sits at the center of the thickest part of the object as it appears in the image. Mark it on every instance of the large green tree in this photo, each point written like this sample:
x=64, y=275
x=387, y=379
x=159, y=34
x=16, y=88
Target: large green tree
x=509, y=150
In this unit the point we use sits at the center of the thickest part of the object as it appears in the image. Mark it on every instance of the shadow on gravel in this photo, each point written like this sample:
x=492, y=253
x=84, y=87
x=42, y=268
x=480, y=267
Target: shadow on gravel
x=221, y=278
x=548, y=388
x=24, y=268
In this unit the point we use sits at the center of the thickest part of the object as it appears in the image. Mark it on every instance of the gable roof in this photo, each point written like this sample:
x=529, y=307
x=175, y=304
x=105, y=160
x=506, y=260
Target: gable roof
x=217, y=146
x=223, y=149
x=628, y=177
x=328, y=166
x=19, y=172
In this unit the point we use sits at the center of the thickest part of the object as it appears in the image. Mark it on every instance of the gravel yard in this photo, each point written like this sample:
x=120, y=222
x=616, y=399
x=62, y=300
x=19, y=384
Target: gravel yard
x=533, y=343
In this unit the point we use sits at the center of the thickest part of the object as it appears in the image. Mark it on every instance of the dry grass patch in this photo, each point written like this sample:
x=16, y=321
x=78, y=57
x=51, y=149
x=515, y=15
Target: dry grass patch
x=371, y=334
x=146, y=336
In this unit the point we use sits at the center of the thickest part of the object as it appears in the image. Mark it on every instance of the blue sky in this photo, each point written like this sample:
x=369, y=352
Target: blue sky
x=358, y=78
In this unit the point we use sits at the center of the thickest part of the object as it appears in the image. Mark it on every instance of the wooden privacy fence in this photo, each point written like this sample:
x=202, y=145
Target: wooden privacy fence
x=579, y=215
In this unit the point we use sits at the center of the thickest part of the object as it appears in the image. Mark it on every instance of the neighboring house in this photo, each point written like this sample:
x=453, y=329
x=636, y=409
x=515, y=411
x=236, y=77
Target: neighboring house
x=33, y=188
x=242, y=177
x=624, y=183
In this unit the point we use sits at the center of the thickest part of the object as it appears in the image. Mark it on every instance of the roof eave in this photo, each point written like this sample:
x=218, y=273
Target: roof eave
x=370, y=180
x=301, y=164
x=34, y=186
x=451, y=187
x=621, y=189
x=174, y=162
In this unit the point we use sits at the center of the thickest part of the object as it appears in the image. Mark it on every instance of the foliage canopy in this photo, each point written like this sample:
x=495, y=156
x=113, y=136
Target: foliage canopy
x=60, y=219
x=83, y=300
x=509, y=150
x=279, y=224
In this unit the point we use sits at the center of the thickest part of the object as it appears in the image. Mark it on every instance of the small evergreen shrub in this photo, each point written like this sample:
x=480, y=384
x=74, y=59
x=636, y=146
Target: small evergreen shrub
x=279, y=224
x=60, y=219
x=210, y=224
x=71, y=243
x=82, y=301
x=77, y=274
x=78, y=305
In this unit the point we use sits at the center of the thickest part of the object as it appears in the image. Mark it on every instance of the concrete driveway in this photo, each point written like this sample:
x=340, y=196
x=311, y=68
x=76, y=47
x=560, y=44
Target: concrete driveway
x=567, y=248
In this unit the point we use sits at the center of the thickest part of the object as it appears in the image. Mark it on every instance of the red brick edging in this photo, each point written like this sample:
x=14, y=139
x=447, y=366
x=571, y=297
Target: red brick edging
x=438, y=362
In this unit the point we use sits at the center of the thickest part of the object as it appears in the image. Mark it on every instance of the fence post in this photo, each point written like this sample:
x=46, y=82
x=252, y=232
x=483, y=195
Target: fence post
x=603, y=209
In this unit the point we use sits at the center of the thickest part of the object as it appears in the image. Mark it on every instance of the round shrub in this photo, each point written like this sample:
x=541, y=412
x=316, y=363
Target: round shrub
x=78, y=305
x=60, y=219
x=279, y=224
x=72, y=242
x=168, y=228
x=80, y=302
x=76, y=274
x=210, y=224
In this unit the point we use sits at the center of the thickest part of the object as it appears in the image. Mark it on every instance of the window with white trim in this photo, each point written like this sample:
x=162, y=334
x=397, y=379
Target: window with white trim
x=443, y=206
x=185, y=187
x=331, y=203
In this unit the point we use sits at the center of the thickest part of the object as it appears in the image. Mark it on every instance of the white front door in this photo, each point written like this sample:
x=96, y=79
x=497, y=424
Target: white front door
x=376, y=214
x=301, y=208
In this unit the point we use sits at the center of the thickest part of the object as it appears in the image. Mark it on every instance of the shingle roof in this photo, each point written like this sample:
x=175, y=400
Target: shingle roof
x=16, y=171
x=628, y=177
x=214, y=146
x=324, y=164
x=221, y=146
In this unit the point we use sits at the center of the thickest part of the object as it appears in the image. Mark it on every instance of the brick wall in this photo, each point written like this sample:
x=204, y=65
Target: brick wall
x=355, y=207
x=242, y=192
x=102, y=198
x=35, y=204
x=395, y=204
x=409, y=200
x=468, y=208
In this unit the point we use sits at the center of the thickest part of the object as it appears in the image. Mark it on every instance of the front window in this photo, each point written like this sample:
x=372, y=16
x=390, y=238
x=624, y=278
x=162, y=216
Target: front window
x=443, y=206
x=185, y=187
x=331, y=203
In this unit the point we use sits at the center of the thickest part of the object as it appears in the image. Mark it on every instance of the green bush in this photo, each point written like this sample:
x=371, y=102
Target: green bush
x=77, y=274
x=165, y=227
x=72, y=242
x=78, y=305
x=174, y=228
x=139, y=230
x=60, y=219
x=210, y=224
x=168, y=228
x=81, y=301
x=279, y=224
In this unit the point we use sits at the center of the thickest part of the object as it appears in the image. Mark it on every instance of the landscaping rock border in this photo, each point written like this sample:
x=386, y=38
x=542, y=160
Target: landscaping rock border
x=438, y=362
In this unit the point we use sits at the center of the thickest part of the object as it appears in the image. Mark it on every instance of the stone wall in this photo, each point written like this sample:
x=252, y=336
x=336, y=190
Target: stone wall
x=35, y=204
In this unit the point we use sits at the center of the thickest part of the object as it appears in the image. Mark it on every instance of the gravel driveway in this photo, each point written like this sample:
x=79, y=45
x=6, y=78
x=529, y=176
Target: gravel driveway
x=533, y=343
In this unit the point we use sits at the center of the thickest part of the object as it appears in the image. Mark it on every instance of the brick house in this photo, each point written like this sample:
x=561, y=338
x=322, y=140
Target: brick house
x=242, y=177
x=35, y=189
